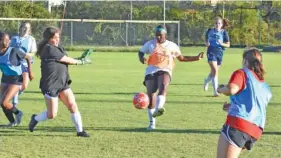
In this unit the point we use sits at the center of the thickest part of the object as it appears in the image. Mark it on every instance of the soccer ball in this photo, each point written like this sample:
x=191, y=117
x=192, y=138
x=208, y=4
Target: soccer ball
x=140, y=100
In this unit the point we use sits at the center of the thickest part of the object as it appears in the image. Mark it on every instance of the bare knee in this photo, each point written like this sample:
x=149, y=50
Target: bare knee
x=24, y=86
x=72, y=107
x=7, y=104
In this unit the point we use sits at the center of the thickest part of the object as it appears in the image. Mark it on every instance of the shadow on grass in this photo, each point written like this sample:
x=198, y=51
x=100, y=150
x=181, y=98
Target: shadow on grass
x=119, y=93
x=57, y=129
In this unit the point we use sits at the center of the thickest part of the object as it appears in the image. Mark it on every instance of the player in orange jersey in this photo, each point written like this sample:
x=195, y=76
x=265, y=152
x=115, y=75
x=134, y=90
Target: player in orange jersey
x=161, y=61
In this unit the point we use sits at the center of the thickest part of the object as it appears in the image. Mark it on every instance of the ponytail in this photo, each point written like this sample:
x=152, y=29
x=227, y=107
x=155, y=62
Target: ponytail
x=225, y=24
x=40, y=46
x=254, y=58
x=257, y=67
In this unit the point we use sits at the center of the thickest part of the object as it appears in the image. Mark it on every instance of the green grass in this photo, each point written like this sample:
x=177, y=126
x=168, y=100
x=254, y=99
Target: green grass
x=104, y=91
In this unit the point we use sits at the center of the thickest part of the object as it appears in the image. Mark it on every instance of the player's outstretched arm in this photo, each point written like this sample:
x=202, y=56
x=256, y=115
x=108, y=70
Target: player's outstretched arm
x=72, y=61
x=182, y=58
x=229, y=89
x=142, y=58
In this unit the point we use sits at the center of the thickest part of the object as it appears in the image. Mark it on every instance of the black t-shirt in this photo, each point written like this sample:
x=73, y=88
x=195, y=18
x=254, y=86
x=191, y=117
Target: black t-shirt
x=16, y=56
x=54, y=74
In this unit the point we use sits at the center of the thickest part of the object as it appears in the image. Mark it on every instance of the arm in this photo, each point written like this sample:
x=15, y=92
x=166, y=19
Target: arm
x=235, y=85
x=182, y=58
x=226, y=41
x=207, y=43
x=229, y=89
x=72, y=61
x=142, y=59
x=30, y=73
x=33, y=47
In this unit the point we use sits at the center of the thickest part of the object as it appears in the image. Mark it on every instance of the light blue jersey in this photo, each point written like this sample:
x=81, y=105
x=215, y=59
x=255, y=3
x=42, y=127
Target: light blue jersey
x=26, y=44
x=6, y=67
x=250, y=104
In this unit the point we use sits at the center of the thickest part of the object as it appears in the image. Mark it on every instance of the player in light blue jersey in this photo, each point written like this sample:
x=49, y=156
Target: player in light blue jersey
x=216, y=40
x=27, y=44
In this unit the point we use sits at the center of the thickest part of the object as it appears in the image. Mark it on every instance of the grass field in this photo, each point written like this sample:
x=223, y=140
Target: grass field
x=104, y=92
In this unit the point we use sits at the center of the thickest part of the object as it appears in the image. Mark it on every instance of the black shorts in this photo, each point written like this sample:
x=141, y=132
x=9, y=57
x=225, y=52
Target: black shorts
x=154, y=76
x=17, y=80
x=53, y=93
x=238, y=138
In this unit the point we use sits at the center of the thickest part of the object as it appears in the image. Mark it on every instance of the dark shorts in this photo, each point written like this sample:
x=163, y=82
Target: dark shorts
x=155, y=76
x=238, y=138
x=17, y=80
x=53, y=93
x=215, y=54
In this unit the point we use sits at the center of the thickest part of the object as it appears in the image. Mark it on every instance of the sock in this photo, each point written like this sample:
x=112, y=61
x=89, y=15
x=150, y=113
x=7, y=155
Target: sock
x=161, y=99
x=43, y=116
x=15, y=100
x=9, y=115
x=150, y=112
x=77, y=121
x=208, y=79
x=15, y=110
x=215, y=84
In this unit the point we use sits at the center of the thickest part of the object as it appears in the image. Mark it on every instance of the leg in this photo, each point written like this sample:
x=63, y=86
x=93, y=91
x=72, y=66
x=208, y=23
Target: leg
x=227, y=150
x=52, y=109
x=9, y=115
x=25, y=81
x=11, y=92
x=151, y=88
x=214, y=74
x=163, y=81
x=68, y=98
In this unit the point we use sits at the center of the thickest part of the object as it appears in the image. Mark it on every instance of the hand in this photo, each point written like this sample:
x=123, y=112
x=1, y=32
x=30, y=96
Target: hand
x=226, y=106
x=31, y=76
x=143, y=60
x=200, y=55
x=85, y=61
x=220, y=42
x=220, y=87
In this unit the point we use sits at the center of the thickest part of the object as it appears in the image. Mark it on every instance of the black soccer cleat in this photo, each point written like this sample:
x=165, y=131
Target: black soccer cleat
x=83, y=134
x=32, y=123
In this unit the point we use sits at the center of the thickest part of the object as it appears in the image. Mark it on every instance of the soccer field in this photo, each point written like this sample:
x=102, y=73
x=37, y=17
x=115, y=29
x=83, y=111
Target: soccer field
x=190, y=128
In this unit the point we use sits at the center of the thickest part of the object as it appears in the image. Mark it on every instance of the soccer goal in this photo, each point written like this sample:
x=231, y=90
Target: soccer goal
x=96, y=32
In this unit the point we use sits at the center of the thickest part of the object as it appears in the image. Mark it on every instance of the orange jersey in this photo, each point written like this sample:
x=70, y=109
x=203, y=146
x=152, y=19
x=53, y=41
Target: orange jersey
x=161, y=57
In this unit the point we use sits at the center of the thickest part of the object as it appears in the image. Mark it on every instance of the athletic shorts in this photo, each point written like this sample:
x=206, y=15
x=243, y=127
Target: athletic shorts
x=215, y=54
x=53, y=93
x=238, y=138
x=154, y=76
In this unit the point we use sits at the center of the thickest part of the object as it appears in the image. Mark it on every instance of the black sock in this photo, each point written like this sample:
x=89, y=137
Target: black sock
x=9, y=114
x=15, y=110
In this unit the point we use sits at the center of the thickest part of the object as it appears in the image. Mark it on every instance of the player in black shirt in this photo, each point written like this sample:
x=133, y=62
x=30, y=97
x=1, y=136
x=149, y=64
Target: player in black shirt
x=55, y=80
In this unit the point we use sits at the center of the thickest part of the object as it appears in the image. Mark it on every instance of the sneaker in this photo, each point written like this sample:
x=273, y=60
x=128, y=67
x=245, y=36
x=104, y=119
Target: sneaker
x=83, y=134
x=159, y=112
x=19, y=117
x=13, y=124
x=32, y=123
x=206, y=85
x=151, y=127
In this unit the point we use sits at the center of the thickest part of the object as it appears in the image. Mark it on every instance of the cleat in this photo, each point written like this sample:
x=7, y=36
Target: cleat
x=206, y=85
x=83, y=134
x=32, y=123
x=19, y=117
x=159, y=112
x=151, y=127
